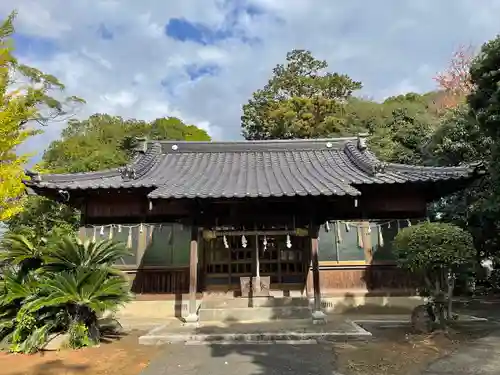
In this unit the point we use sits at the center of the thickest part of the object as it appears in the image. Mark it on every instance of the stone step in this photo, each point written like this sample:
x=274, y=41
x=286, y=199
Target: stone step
x=243, y=314
x=283, y=331
x=229, y=303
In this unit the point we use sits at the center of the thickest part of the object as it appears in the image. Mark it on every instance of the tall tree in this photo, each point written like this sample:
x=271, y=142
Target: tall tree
x=300, y=100
x=25, y=100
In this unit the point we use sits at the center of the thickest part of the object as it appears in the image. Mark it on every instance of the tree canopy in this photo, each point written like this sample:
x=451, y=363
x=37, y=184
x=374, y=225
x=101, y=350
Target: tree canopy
x=300, y=100
x=103, y=141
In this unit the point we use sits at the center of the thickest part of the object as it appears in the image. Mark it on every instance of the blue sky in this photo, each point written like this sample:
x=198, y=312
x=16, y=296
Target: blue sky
x=201, y=59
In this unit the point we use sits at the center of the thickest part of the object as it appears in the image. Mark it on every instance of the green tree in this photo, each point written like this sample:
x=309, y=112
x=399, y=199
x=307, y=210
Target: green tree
x=103, y=141
x=484, y=100
x=400, y=127
x=438, y=252
x=483, y=135
x=300, y=100
x=25, y=100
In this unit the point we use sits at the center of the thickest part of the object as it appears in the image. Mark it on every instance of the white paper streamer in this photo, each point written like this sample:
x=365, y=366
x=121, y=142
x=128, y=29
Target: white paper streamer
x=129, y=238
x=380, y=237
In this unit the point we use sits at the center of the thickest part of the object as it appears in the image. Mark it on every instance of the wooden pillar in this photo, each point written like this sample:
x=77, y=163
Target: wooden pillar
x=317, y=315
x=192, y=317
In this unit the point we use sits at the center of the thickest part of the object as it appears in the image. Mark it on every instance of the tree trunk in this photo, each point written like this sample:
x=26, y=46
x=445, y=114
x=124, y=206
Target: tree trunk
x=451, y=287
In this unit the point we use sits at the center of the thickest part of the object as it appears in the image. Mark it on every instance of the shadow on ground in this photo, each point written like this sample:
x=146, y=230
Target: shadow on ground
x=55, y=367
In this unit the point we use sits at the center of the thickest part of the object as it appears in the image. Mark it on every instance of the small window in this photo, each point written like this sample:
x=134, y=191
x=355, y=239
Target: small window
x=102, y=233
x=159, y=248
x=123, y=237
x=326, y=240
x=382, y=235
x=348, y=240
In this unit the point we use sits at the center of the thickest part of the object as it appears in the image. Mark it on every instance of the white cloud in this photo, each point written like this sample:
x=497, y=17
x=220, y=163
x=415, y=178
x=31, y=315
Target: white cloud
x=389, y=46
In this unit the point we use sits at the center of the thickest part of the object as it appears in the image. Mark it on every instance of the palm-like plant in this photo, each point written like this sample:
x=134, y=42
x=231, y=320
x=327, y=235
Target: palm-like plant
x=58, y=287
x=86, y=293
x=18, y=250
x=71, y=253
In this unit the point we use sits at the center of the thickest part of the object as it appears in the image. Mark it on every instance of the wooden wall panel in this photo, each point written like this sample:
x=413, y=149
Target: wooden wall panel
x=159, y=281
x=371, y=278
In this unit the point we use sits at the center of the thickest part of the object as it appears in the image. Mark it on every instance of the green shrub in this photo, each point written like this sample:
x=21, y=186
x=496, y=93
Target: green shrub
x=438, y=252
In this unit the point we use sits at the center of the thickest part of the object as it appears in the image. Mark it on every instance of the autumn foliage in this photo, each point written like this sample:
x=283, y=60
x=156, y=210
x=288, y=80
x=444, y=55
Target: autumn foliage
x=455, y=82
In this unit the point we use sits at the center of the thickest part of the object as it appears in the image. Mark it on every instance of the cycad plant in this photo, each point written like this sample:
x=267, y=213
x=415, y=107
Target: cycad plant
x=20, y=252
x=72, y=254
x=85, y=293
x=59, y=287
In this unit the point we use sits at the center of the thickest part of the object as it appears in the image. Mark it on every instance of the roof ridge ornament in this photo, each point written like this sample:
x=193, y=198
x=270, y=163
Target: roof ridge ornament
x=128, y=173
x=34, y=175
x=362, y=145
x=360, y=155
x=141, y=144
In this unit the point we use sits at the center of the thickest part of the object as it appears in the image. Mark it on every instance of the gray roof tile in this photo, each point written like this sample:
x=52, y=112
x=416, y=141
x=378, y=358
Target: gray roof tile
x=176, y=169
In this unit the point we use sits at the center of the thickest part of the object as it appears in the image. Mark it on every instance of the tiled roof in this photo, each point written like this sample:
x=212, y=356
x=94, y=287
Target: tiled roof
x=176, y=169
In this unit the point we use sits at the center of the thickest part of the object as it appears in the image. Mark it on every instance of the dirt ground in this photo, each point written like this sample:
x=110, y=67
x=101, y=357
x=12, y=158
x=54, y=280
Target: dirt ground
x=122, y=355
x=396, y=352
x=393, y=351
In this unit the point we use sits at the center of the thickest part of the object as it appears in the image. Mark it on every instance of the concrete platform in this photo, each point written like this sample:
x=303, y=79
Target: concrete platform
x=288, y=330
x=253, y=309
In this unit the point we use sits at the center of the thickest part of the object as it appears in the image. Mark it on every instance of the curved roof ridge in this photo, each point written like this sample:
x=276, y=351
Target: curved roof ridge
x=364, y=159
x=469, y=167
x=143, y=162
